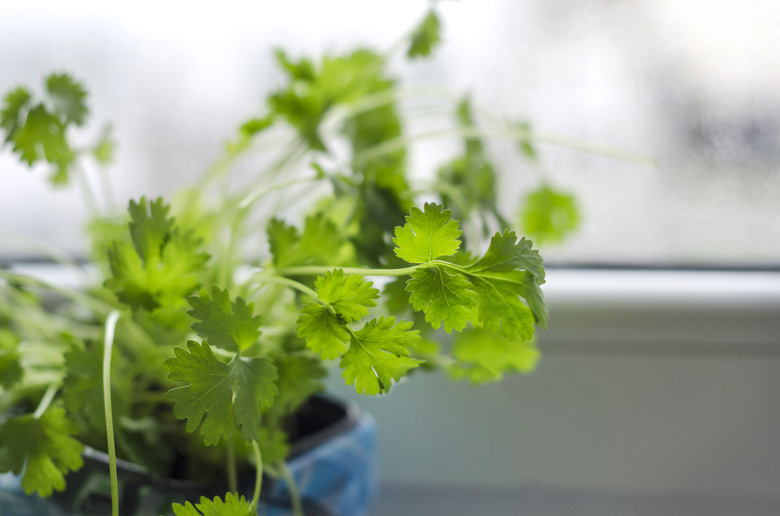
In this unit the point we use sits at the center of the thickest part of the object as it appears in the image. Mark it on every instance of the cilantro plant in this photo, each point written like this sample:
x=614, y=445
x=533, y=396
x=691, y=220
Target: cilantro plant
x=216, y=316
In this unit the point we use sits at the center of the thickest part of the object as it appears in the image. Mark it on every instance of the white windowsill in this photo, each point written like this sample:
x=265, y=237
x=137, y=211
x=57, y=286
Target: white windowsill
x=730, y=311
x=634, y=310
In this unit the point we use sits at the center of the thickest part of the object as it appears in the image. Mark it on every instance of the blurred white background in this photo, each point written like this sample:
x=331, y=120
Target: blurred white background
x=695, y=85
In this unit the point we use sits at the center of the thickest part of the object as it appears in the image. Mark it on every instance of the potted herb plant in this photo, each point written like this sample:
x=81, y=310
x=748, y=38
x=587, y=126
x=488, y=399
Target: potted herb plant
x=195, y=352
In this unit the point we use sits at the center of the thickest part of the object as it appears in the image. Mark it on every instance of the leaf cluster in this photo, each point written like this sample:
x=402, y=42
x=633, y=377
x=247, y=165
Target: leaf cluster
x=371, y=357
x=499, y=291
x=549, y=215
x=234, y=505
x=425, y=37
x=37, y=128
x=42, y=449
x=162, y=262
x=232, y=310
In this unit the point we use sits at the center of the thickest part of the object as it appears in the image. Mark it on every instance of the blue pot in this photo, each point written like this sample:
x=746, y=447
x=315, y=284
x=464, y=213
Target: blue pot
x=334, y=468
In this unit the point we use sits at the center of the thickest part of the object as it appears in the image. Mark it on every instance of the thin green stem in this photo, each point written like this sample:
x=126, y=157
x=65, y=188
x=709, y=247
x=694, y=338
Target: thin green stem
x=297, y=152
x=37, y=380
x=86, y=190
x=36, y=320
x=45, y=250
x=73, y=295
x=238, y=207
x=279, y=280
x=135, y=331
x=396, y=47
x=363, y=105
x=385, y=97
x=479, y=273
x=312, y=270
x=292, y=487
x=46, y=400
x=258, y=476
x=262, y=191
x=108, y=344
x=106, y=187
x=220, y=168
x=232, y=468
x=225, y=268
x=450, y=265
x=396, y=144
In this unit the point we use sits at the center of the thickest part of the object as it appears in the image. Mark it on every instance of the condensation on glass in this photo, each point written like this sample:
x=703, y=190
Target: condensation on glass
x=694, y=85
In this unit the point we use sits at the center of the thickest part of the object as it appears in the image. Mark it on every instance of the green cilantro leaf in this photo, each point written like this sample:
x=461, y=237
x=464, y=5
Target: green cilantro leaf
x=378, y=354
x=425, y=37
x=500, y=309
x=150, y=226
x=254, y=126
x=274, y=447
x=323, y=331
x=41, y=136
x=315, y=90
x=14, y=103
x=483, y=357
x=129, y=279
x=549, y=215
x=427, y=235
x=38, y=133
x=303, y=70
x=227, y=324
x=509, y=270
x=246, y=132
x=82, y=388
x=68, y=98
x=349, y=78
x=299, y=378
x=304, y=113
x=529, y=288
x=444, y=297
x=382, y=204
x=104, y=149
x=10, y=366
x=61, y=172
x=395, y=296
x=349, y=295
x=182, y=263
x=234, y=505
x=320, y=242
x=282, y=239
x=396, y=301
x=103, y=232
x=43, y=448
x=506, y=254
x=220, y=397
x=162, y=266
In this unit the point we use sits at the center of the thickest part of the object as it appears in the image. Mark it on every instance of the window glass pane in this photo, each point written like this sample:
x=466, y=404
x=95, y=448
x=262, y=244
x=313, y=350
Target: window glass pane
x=694, y=85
